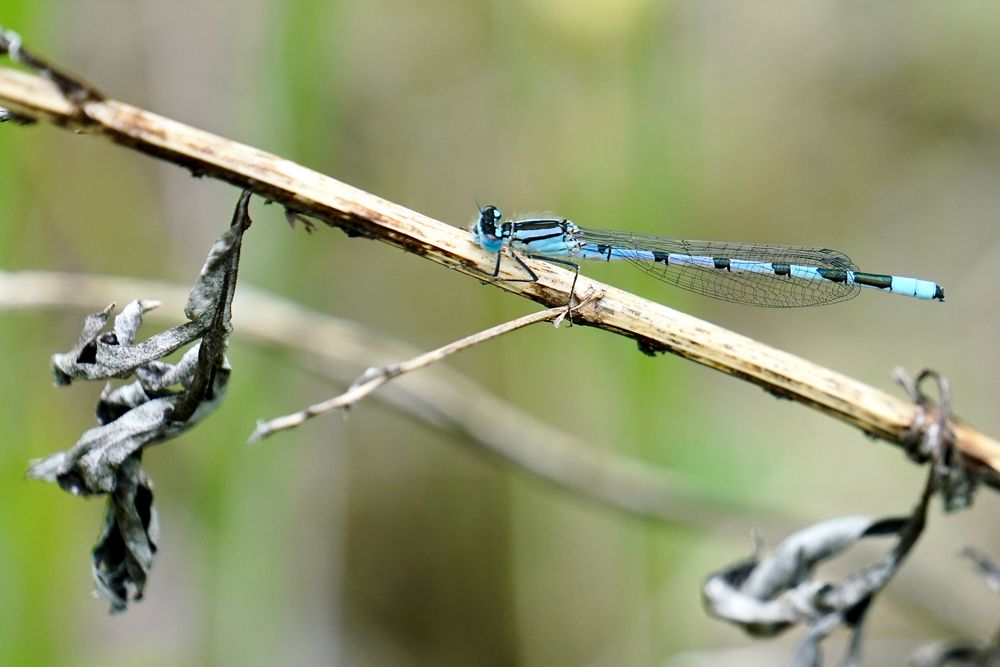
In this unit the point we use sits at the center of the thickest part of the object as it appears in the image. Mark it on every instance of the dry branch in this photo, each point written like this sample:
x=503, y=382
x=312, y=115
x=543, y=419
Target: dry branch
x=656, y=327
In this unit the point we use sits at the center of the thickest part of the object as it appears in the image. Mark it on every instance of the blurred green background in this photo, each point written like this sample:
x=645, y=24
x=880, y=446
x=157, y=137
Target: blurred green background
x=380, y=540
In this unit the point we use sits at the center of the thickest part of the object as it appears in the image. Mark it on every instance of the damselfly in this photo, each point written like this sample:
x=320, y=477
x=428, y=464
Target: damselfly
x=777, y=276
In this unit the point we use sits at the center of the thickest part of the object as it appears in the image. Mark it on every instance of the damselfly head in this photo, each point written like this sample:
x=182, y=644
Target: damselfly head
x=489, y=216
x=486, y=231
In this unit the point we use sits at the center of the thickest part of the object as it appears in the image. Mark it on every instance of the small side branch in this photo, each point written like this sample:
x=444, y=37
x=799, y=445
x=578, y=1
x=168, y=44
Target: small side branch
x=374, y=378
x=303, y=191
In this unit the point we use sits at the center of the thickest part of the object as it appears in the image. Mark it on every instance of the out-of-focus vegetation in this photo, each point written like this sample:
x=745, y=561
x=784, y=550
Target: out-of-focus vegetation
x=376, y=540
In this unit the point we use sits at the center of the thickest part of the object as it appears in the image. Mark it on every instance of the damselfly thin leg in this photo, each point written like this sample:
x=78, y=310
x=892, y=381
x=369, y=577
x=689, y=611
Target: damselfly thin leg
x=533, y=277
x=496, y=271
x=566, y=263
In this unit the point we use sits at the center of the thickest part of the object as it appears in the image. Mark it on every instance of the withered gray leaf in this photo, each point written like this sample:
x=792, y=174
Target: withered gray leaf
x=161, y=402
x=766, y=595
x=102, y=355
x=124, y=552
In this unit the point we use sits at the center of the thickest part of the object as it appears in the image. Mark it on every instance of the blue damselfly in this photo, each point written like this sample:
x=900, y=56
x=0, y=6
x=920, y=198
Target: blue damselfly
x=761, y=275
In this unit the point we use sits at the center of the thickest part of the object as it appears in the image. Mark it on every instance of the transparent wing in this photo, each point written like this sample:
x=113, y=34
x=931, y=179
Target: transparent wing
x=763, y=288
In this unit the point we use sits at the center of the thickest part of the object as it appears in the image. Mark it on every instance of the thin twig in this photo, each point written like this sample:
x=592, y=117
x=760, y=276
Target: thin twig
x=656, y=327
x=375, y=377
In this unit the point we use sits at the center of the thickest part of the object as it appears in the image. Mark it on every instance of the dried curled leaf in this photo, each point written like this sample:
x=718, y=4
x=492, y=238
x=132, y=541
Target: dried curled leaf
x=163, y=401
x=768, y=595
x=102, y=355
x=130, y=417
